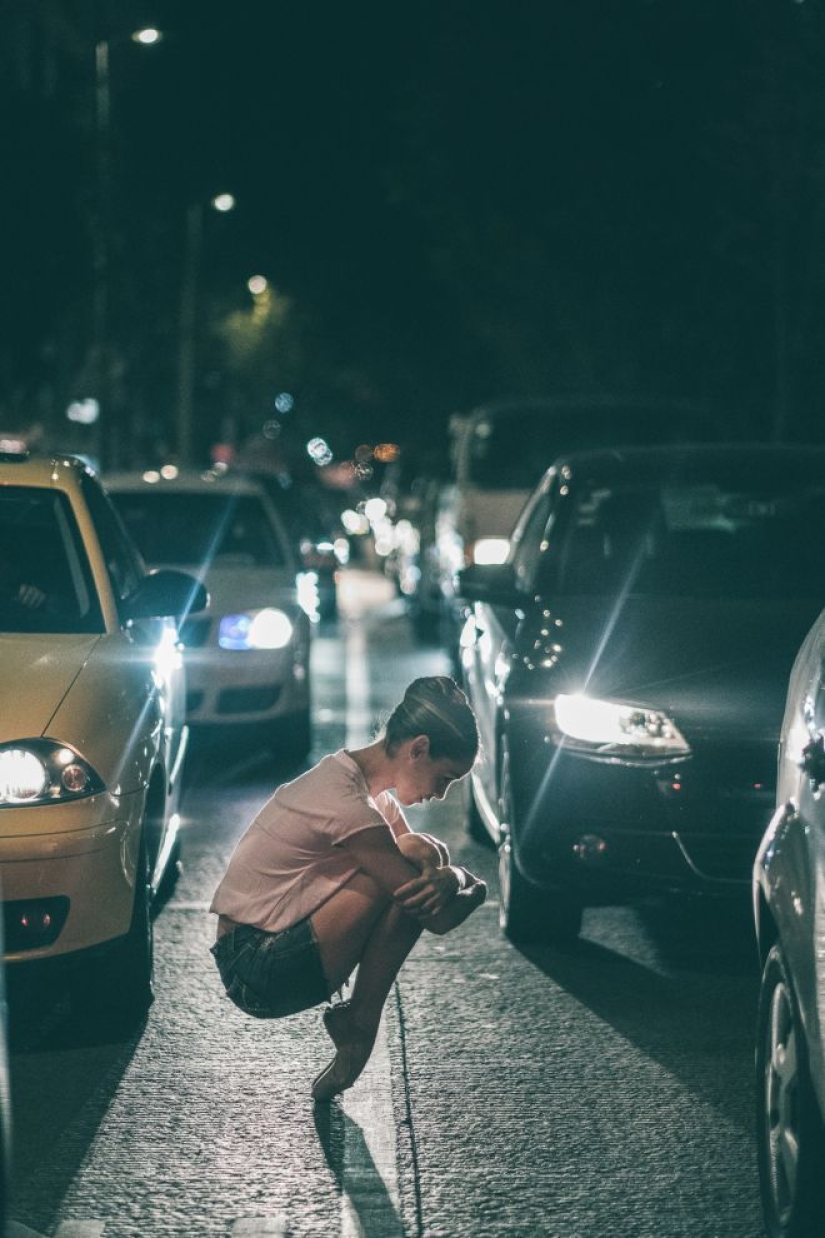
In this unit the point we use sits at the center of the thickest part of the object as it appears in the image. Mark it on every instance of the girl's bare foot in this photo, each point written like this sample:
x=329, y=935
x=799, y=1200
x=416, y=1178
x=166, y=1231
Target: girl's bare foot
x=343, y=1070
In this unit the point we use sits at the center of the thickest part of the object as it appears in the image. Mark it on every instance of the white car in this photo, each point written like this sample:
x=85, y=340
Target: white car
x=789, y=907
x=247, y=657
x=92, y=731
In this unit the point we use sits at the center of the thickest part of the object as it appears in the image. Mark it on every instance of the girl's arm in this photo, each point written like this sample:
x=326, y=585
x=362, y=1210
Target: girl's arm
x=440, y=896
x=376, y=852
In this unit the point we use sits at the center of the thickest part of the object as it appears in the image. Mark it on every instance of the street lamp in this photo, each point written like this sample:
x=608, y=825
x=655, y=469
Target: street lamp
x=193, y=245
x=102, y=242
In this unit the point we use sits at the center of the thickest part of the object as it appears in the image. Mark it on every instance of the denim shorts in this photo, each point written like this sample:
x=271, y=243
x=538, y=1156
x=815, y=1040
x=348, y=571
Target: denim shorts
x=270, y=975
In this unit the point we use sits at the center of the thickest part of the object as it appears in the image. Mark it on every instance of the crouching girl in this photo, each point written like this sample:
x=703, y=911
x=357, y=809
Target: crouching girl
x=329, y=878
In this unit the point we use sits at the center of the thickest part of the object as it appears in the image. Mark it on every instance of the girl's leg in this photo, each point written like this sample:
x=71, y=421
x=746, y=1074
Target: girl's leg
x=355, y=927
x=392, y=940
x=361, y=925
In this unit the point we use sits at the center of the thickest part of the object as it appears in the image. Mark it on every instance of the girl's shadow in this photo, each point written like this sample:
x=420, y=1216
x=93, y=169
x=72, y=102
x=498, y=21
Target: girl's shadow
x=356, y=1173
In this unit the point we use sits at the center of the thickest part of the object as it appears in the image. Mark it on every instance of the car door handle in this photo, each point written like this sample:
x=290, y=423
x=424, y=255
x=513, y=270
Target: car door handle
x=813, y=761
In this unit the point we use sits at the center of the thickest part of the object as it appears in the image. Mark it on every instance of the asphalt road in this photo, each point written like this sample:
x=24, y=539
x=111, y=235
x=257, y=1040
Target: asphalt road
x=606, y=1090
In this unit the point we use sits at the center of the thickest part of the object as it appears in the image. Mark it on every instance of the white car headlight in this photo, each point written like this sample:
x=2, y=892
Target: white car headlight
x=255, y=629
x=615, y=727
x=491, y=550
x=39, y=771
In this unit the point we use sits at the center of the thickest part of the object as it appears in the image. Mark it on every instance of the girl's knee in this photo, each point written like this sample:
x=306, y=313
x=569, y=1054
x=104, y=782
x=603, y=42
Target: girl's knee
x=423, y=850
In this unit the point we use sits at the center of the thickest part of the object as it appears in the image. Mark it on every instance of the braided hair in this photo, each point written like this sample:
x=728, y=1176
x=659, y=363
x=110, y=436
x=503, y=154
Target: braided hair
x=436, y=707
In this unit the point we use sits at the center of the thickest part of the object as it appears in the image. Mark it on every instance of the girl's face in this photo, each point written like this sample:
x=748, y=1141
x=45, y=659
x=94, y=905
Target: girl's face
x=422, y=778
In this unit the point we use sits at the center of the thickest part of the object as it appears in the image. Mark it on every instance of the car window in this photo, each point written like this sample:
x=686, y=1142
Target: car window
x=527, y=541
x=698, y=540
x=199, y=529
x=122, y=563
x=46, y=584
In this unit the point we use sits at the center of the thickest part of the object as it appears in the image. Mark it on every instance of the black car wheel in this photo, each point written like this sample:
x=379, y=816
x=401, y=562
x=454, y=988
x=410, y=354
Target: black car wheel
x=473, y=819
x=291, y=737
x=119, y=987
x=789, y=1130
x=137, y=956
x=528, y=913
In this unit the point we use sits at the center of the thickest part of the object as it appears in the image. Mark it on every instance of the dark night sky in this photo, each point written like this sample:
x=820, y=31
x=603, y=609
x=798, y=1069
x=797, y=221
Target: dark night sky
x=468, y=200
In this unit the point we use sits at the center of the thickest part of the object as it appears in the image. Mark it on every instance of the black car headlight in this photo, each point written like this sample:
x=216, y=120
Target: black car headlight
x=614, y=728
x=40, y=771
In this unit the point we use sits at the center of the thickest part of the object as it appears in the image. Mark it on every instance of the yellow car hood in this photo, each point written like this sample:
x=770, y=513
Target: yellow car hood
x=36, y=672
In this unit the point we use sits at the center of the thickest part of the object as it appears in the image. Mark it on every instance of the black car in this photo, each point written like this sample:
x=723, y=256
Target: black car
x=628, y=665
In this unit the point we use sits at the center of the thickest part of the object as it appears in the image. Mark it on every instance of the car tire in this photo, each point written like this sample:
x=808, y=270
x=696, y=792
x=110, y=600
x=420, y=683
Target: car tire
x=473, y=819
x=292, y=737
x=789, y=1128
x=170, y=875
x=119, y=988
x=528, y=913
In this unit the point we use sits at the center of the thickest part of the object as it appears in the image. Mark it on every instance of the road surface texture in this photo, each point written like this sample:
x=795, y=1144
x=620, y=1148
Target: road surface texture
x=601, y=1091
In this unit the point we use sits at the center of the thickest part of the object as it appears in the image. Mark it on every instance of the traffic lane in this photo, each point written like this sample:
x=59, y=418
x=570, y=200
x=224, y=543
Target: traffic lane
x=205, y=1123
x=202, y=1123
x=608, y=1088
x=202, y=1118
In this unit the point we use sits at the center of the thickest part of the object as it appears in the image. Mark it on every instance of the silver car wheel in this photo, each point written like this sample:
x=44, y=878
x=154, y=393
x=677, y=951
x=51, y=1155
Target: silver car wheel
x=782, y=1101
x=790, y=1136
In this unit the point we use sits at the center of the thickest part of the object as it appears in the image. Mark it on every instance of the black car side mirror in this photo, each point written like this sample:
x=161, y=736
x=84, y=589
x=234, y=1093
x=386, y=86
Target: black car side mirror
x=166, y=592
x=494, y=583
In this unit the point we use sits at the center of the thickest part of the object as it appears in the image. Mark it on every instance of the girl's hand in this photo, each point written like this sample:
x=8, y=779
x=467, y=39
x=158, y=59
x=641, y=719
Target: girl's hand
x=429, y=893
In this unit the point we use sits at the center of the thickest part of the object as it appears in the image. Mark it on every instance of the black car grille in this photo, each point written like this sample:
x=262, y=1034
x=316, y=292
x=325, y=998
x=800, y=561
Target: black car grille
x=721, y=859
x=248, y=700
x=727, y=801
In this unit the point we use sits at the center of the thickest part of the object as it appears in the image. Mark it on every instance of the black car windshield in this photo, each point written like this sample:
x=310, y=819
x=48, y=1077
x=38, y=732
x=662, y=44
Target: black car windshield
x=709, y=541
x=46, y=584
x=196, y=529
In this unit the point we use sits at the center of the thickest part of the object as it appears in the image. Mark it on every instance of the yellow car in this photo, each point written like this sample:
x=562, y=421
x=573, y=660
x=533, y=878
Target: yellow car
x=92, y=730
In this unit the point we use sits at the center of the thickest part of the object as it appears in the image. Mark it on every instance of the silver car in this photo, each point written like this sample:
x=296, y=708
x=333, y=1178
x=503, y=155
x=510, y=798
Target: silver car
x=247, y=657
x=789, y=907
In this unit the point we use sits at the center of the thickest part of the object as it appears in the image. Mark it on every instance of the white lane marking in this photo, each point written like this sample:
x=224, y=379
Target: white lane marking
x=80, y=1229
x=370, y=1199
x=260, y=1227
x=359, y=718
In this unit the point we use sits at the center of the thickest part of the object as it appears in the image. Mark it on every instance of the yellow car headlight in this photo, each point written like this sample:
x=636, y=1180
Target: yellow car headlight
x=40, y=771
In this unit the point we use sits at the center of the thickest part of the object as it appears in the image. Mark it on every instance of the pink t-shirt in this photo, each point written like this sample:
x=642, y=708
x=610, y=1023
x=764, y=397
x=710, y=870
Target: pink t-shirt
x=288, y=862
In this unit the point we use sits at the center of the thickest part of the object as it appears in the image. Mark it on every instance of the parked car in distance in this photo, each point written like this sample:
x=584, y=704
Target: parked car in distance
x=413, y=562
x=92, y=732
x=628, y=666
x=247, y=657
x=789, y=898
x=313, y=526
x=499, y=453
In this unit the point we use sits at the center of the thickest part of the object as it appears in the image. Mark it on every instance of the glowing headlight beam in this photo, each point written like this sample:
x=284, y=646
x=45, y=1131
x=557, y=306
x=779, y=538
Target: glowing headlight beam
x=613, y=618
x=615, y=725
x=23, y=776
x=257, y=629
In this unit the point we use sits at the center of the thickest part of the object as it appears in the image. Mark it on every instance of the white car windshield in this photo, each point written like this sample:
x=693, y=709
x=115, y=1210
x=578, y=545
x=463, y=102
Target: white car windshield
x=45, y=581
x=196, y=529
